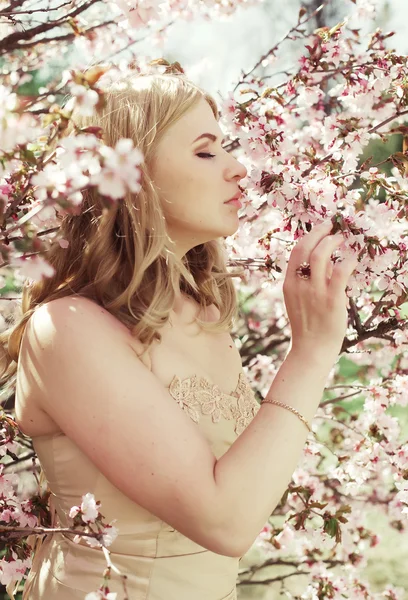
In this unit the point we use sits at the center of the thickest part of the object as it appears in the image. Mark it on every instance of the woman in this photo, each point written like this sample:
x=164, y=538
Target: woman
x=128, y=379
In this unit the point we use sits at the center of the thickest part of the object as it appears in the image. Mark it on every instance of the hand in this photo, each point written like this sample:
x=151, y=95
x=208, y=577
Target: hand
x=317, y=307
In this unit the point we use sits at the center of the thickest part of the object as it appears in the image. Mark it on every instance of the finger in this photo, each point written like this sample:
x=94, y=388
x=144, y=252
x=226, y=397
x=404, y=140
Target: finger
x=346, y=252
x=335, y=258
x=307, y=243
x=342, y=272
x=320, y=259
x=329, y=270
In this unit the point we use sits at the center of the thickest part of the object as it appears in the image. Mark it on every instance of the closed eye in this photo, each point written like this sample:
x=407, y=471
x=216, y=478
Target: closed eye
x=205, y=155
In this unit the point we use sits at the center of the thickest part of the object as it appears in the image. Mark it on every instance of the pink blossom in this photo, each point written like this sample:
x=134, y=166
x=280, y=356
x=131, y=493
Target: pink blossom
x=73, y=511
x=120, y=171
x=13, y=570
x=34, y=267
x=139, y=15
x=110, y=183
x=88, y=508
x=50, y=181
x=85, y=99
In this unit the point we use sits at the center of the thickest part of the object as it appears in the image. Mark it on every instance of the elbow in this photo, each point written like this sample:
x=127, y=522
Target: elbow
x=231, y=544
x=226, y=548
x=226, y=533
x=239, y=549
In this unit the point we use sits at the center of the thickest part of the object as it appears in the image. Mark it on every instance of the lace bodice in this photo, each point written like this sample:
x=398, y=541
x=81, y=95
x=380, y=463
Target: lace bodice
x=197, y=395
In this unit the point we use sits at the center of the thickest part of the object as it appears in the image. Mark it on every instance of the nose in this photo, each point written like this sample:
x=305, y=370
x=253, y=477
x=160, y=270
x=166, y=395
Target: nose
x=236, y=170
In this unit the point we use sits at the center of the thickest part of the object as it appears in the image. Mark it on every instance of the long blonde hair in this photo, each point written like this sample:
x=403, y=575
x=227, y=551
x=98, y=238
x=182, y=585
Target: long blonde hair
x=119, y=258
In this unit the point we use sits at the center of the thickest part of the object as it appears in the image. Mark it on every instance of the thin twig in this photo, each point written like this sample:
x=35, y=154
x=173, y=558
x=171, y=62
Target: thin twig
x=63, y=38
x=339, y=399
x=276, y=46
x=7, y=13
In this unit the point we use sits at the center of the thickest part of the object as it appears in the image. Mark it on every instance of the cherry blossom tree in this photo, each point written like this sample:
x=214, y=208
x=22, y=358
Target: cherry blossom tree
x=305, y=142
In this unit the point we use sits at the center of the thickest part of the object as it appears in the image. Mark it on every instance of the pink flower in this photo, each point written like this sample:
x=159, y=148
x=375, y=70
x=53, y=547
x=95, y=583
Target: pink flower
x=73, y=511
x=89, y=508
x=85, y=99
x=5, y=191
x=13, y=570
x=137, y=14
x=34, y=267
x=120, y=171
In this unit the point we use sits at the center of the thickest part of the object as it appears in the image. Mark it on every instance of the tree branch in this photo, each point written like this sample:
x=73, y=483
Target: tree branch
x=11, y=41
x=62, y=38
x=380, y=331
x=14, y=4
x=272, y=579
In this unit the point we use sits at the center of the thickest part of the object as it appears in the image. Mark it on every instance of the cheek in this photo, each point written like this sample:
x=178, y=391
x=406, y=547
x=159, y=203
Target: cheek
x=179, y=184
x=174, y=175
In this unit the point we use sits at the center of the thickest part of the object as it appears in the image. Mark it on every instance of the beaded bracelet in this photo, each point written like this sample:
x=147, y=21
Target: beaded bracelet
x=297, y=413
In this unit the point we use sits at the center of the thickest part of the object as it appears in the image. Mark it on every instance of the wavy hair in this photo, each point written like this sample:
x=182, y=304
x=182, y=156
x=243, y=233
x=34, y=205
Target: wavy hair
x=118, y=257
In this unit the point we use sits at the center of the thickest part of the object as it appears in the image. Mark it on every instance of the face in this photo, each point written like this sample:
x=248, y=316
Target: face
x=195, y=178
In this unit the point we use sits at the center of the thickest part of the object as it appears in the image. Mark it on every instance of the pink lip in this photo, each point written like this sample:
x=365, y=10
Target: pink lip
x=234, y=202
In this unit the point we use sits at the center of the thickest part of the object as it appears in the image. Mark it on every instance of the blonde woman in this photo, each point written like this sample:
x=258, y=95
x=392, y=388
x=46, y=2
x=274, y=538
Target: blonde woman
x=129, y=382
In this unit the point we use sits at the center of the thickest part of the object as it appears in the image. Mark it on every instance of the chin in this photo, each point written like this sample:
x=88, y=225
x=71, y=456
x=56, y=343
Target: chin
x=233, y=231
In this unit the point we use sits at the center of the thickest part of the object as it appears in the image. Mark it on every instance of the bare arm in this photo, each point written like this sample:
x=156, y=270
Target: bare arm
x=253, y=474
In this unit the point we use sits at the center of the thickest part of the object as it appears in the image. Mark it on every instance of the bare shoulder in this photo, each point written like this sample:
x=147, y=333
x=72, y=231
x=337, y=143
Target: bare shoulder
x=66, y=312
x=64, y=319
x=61, y=332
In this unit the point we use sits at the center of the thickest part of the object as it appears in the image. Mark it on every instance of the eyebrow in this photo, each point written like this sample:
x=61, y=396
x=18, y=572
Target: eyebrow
x=211, y=136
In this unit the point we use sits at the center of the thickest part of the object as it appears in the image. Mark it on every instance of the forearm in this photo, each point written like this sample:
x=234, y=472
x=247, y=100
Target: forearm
x=253, y=474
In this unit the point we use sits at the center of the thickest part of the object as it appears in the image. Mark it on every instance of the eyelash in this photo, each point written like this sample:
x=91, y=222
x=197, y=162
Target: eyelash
x=206, y=154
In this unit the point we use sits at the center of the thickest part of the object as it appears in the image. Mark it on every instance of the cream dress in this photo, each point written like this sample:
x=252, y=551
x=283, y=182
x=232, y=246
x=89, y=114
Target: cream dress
x=160, y=562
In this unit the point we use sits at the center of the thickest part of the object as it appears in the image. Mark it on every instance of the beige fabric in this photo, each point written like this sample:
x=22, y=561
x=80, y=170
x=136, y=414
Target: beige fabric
x=160, y=562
